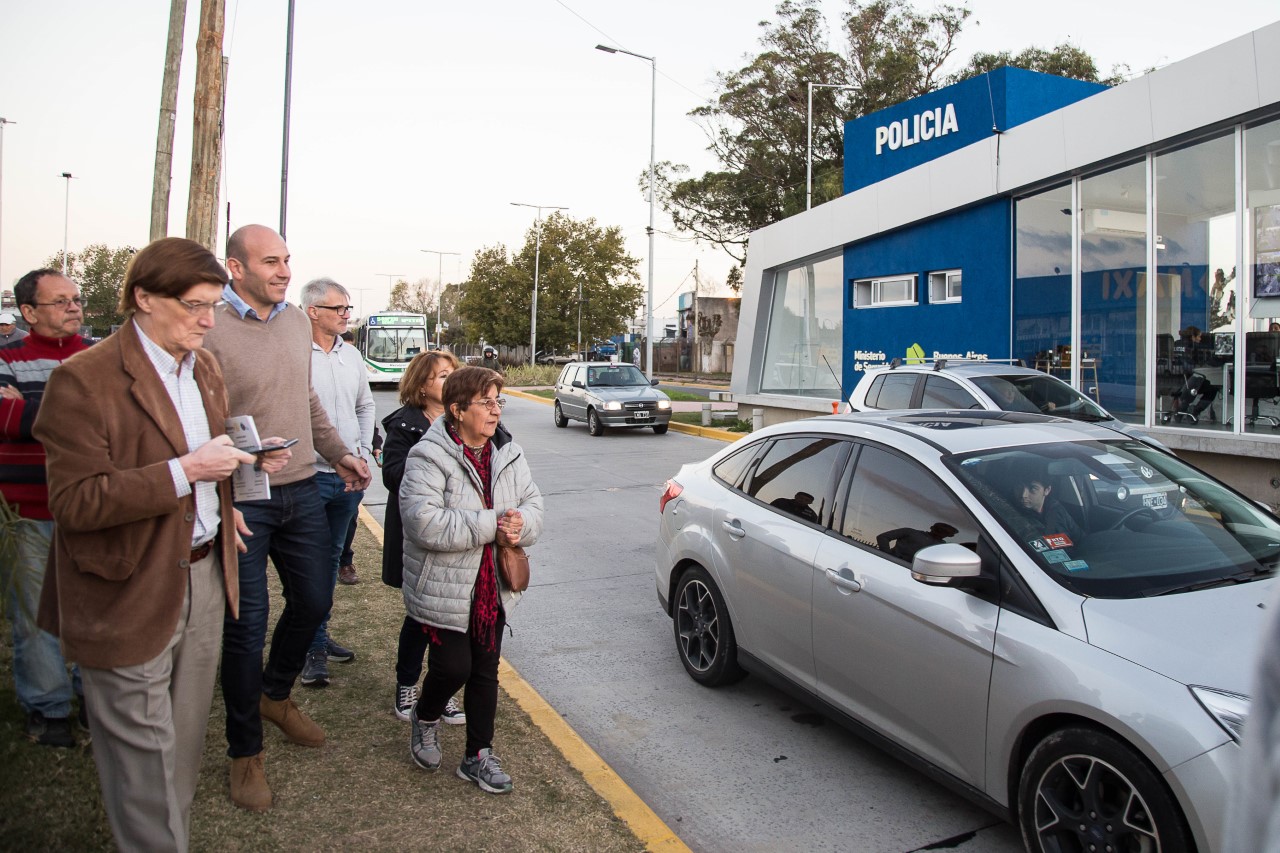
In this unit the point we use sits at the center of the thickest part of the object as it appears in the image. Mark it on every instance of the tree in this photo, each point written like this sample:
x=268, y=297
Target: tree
x=1065, y=60
x=757, y=125
x=100, y=273
x=416, y=298
x=735, y=279
x=575, y=255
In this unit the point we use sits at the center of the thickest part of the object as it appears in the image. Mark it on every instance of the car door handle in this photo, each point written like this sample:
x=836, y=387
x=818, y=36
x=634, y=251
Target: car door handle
x=734, y=528
x=845, y=582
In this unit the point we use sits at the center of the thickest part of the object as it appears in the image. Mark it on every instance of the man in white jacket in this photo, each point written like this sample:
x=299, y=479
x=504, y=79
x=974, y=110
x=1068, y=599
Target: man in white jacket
x=339, y=379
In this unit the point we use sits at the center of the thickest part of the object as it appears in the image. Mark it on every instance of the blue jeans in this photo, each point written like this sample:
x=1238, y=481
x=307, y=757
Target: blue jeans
x=340, y=508
x=39, y=673
x=290, y=528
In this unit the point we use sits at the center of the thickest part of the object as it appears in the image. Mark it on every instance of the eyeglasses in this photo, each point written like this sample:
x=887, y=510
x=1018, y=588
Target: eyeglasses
x=340, y=310
x=198, y=309
x=63, y=304
x=493, y=404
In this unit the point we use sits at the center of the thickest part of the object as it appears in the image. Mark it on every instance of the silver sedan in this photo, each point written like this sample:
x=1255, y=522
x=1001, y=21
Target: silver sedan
x=1057, y=621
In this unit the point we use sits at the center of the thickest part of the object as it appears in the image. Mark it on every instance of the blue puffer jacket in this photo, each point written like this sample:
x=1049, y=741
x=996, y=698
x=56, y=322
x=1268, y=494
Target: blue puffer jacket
x=446, y=525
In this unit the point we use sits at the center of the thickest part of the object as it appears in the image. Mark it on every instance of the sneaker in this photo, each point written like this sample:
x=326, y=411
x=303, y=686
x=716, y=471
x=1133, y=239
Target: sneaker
x=454, y=715
x=49, y=731
x=486, y=771
x=347, y=575
x=315, y=672
x=406, y=697
x=341, y=654
x=424, y=742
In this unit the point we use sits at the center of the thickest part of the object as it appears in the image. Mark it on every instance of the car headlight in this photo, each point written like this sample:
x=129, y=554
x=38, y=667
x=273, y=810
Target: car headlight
x=664, y=404
x=612, y=406
x=1229, y=709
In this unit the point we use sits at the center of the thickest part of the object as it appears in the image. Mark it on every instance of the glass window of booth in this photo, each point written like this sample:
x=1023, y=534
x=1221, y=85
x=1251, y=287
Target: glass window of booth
x=1261, y=355
x=1042, y=280
x=1195, y=279
x=804, y=343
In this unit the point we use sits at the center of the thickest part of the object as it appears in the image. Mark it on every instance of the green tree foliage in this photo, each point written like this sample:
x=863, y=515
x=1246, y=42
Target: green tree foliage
x=497, y=297
x=757, y=125
x=1065, y=60
x=100, y=273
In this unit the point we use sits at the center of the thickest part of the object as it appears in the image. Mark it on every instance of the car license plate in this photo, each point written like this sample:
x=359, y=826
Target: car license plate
x=641, y=415
x=1158, y=501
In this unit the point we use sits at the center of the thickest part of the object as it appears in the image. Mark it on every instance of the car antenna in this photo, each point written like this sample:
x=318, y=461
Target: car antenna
x=839, y=384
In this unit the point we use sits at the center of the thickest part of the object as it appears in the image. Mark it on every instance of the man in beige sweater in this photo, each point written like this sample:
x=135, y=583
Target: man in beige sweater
x=264, y=346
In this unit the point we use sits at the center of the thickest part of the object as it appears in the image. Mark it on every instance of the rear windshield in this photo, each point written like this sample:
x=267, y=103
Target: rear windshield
x=1020, y=392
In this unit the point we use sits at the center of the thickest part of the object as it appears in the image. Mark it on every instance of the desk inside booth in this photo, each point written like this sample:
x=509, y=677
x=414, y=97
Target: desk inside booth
x=1059, y=364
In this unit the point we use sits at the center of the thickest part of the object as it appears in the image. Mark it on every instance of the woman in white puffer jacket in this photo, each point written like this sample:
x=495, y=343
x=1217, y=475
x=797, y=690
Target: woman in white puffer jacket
x=466, y=489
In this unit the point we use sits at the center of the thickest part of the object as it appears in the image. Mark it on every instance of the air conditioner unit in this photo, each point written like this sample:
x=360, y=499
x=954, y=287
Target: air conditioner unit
x=1101, y=221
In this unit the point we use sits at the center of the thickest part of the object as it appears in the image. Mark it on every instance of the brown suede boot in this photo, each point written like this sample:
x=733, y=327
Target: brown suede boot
x=295, y=724
x=249, y=784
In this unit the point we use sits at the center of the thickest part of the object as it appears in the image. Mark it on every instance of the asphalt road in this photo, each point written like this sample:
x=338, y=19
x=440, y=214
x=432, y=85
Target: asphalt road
x=742, y=768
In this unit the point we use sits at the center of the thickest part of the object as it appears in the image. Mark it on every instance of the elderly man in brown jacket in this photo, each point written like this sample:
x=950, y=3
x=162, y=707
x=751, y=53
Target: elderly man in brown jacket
x=144, y=562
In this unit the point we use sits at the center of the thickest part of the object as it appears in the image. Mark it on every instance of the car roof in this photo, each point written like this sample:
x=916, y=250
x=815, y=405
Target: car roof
x=951, y=431
x=963, y=368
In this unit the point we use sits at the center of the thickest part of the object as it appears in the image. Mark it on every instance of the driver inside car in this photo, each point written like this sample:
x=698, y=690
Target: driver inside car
x=1034, y=494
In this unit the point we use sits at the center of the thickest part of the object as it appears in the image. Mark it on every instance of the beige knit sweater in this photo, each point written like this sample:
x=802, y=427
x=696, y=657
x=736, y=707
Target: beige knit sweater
x=267, y=367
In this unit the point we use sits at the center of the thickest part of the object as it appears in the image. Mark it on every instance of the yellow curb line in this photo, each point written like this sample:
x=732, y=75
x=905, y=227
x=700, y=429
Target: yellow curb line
x=687, y=429
x=639, y=818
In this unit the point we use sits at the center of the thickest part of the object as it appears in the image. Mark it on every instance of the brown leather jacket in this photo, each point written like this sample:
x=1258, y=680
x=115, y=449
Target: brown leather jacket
x=117, y=575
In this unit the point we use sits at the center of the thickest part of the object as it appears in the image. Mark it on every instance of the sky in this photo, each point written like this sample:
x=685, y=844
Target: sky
x=417, y=125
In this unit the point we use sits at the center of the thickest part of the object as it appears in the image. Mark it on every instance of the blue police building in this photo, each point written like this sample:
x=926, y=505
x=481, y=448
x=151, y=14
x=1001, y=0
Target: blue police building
x=1083, y=229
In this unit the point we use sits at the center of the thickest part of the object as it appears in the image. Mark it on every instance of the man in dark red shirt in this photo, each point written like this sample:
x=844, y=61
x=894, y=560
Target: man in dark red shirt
x=50, y=303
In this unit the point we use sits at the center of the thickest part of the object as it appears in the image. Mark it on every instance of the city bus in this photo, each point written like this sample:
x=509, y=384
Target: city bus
x=388, y=341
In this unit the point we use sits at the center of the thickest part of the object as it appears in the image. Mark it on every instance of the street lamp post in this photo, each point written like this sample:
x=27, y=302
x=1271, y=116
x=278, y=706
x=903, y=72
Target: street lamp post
x=440, y=276
x=653, y=129
x=66, y=221
x=3, y=122
x=808, y=170
x=537, y=259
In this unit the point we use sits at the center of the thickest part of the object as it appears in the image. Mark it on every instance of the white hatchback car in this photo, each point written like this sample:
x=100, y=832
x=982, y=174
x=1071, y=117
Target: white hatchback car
x=961, y=384
x=1056, y=619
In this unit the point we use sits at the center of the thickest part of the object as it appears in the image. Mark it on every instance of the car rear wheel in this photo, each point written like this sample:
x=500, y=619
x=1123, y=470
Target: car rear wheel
x=1083, y=789
x=704, y=635
x=593, y=423
x=660, y=429
x=561, y=420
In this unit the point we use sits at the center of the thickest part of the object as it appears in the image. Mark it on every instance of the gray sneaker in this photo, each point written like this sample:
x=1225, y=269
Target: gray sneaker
x=315, y=672
x=486, y=771
x=424, y=742
x=453, y=714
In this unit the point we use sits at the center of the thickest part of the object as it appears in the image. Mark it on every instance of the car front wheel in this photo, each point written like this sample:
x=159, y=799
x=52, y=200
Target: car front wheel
x=704, y=635
x=660, y=429
x=561, y=420
x=1082, y=789
x=593, y=423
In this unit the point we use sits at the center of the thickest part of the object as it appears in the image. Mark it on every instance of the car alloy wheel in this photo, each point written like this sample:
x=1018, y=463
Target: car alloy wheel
x=1083, y=789
x=561, y=420
x=593, y=423
x=704, y=635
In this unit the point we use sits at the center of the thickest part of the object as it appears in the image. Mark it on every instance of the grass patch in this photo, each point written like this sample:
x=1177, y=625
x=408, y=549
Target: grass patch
x=360, y=791
x=685, y=396
x=548, y=393
x=522, y=375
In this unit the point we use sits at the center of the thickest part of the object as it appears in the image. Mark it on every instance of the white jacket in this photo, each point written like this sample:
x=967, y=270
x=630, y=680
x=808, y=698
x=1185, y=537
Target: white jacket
x=446, y=525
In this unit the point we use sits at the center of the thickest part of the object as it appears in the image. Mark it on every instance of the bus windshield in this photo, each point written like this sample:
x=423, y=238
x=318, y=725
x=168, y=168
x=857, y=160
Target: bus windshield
x=395, y=343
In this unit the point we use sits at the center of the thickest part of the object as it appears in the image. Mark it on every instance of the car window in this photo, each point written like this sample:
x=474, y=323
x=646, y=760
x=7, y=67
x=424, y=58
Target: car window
x=943, y=393
x=892, y=391
x=575, y=374
x=564, y=376
x=1040, y=393
x=731, y=468
x=897, y=507
x=1122, y=519
x=795, y=475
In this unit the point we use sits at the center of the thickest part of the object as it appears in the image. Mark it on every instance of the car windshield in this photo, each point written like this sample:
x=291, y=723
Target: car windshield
x=1122, y=519
x=1018, y=392
x=615, y=376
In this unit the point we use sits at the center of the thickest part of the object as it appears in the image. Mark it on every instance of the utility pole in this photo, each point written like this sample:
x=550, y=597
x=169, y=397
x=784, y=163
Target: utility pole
x=206, y=143
x=163, y=176
x=697, y=349
x=440, y=276
x=288, y=100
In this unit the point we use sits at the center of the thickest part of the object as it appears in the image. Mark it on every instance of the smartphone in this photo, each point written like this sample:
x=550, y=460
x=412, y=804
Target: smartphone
x=271, y=448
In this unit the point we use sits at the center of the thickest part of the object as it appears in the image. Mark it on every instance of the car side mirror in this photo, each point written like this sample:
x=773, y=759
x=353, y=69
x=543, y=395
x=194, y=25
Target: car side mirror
x=944, y=564
x=577, y=383
x=653, y=382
